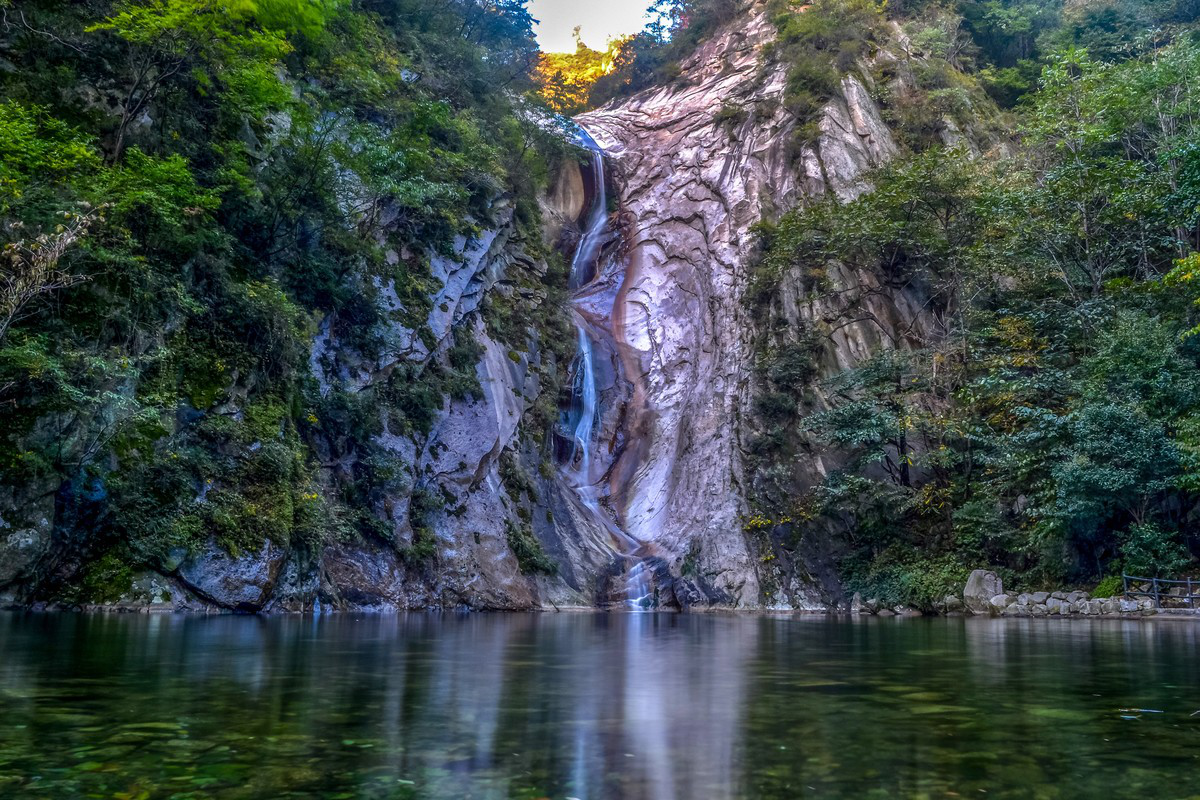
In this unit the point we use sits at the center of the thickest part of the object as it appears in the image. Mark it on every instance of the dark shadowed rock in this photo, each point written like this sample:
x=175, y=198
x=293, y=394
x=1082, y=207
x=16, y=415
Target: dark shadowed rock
x=367, y=577
x=25, y=529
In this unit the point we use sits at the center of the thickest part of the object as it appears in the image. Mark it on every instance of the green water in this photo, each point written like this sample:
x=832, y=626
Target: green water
x=596, y=706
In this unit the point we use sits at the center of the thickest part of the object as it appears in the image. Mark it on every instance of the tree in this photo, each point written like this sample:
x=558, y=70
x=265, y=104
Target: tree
x=217, y=42
x=33, y=268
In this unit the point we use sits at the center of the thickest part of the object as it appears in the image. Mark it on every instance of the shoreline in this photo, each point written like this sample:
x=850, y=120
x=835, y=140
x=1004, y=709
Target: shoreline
x=1174, y=614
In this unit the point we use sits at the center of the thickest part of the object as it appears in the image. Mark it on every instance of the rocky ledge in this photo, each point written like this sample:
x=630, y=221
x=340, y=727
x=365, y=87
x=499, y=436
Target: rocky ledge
x=984, y=595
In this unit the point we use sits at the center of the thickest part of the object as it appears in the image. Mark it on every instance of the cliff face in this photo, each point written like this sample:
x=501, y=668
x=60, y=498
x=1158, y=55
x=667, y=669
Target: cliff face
x=698, y=164
x=693, y=166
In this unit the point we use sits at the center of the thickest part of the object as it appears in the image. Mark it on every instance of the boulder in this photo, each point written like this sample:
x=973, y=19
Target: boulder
x=1056, y=605
x=1001, y=601
x=1059, y=595
x=1127, y=606
x=952, y=603
x=982, y=586
x=1039, y=597
x=241, y=582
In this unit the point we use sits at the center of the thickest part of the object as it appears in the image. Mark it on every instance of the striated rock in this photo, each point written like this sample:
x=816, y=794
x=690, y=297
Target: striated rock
x=241, y=583
x=982, y=586
x=691, y=187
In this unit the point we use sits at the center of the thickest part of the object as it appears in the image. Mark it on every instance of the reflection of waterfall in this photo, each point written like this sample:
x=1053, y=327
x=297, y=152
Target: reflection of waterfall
x=582, y=418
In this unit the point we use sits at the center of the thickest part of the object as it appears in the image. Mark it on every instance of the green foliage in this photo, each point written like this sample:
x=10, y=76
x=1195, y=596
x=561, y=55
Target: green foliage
x=528, y=550
x=820, y=42
x=256, y=168
x=912, y=580
x=1047, y=422
x=104, y=580
x=38, y=153
x=1111, y=586
x=651, y=57
x=1150, y=551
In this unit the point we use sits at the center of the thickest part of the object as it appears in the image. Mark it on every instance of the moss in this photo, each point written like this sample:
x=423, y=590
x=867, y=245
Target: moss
x=515, y=481
x=528, y=550
x=104, y=580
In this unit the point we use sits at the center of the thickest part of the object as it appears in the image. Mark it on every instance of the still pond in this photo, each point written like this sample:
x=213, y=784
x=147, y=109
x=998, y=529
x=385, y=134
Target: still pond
x=596, y=707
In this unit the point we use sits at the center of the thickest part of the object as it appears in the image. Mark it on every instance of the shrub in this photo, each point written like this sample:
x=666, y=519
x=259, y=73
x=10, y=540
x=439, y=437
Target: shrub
x=1109, y=587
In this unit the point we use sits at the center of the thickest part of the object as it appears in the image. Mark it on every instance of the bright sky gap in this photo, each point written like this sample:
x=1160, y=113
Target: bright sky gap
x=599, y=21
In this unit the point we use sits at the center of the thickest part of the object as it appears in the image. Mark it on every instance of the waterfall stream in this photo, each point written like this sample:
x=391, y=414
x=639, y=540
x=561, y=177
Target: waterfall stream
x=585, y=407
x=585, y=390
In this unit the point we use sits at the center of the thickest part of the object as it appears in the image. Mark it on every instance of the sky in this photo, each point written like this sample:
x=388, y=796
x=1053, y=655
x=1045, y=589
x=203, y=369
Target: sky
x=600, y=20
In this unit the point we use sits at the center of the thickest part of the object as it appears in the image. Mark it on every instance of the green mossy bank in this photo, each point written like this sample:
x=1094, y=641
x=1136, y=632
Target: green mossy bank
x=228, y=228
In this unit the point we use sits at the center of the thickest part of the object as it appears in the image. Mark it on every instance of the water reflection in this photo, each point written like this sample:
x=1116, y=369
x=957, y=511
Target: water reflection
x=595, y=707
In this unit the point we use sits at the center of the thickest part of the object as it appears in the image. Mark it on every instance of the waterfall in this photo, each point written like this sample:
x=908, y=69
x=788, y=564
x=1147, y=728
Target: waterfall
x=584, y=262
x=585, y=390
x=585, y=409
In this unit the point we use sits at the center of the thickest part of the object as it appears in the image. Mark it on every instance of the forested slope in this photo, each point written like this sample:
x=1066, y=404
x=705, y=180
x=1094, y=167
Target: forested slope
x=237, y=239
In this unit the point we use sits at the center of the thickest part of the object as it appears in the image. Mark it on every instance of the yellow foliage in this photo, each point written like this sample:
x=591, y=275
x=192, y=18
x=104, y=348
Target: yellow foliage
x=565, y=79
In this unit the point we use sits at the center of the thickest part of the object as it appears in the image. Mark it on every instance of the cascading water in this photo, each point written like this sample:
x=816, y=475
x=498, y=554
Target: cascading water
x=584, y=395
x=585, y=390
x=583, y=264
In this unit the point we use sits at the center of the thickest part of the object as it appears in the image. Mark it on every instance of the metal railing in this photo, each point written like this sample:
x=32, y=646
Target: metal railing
x=1160, y=588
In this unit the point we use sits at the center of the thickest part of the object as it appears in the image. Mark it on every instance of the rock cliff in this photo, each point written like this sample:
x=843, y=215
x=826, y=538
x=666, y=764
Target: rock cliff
x=698, y=163
x=693, y=166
